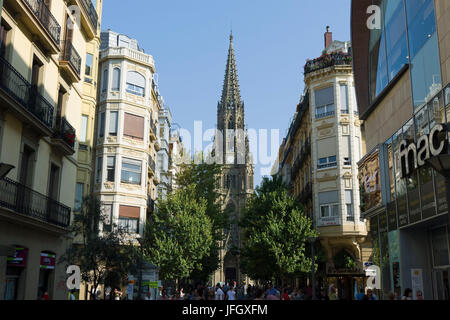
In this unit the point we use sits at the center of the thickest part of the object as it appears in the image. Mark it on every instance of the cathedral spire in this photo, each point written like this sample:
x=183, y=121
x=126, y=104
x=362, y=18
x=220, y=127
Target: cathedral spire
x=231, y=94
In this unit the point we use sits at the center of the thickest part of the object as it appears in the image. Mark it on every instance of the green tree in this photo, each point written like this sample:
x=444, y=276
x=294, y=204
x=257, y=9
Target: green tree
x=178, y=235
x=276, y=233
x=204, y=178
x=100, y=255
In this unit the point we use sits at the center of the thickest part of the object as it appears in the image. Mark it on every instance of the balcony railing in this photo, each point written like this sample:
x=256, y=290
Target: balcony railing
x=24, y=93
x=65, y=132
x=301, y=157
x=92, y=13
x=328, y=60
x=42, y=12
x=306, y=193
x=325, y=114
x=21, y=199
x=71, y=55
x=328, y=165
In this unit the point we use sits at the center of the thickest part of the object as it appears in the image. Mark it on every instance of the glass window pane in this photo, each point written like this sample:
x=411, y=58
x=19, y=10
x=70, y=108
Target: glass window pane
x=116, y=79
x=89, y=64
x=396, y=41
x=335, y=210
x=344, y=98
x=440, y=247
x=324, y=97
x=79, y=196
x=113, y=117
x=84, y=125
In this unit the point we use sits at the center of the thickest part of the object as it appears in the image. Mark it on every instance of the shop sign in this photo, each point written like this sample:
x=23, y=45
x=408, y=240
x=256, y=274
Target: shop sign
x=412, y=156
x=48, y=261
x=19, y=259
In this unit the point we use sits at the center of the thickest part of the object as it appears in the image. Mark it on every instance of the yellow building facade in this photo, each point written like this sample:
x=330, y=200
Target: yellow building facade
x=43, y=93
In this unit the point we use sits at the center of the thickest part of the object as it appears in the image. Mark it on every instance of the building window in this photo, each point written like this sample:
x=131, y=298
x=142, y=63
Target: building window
x=133, y=126
x=329, y=162
x=89, y=64
x=113, y=120
x=344, y=99
x=324, y=100
x=99, y=170
x=129, y=225
x=111, y=169
x=131, y=171
x=136, y=83
x=424, y=51
x=329, y=210
x=4, y=32
x=84, y=126
x=129, y=219
x=347, y=161
x=107, y=217
x=101, y=125
x=116, y=80
x=79, y=192
x=105, y=81
x=349, y=205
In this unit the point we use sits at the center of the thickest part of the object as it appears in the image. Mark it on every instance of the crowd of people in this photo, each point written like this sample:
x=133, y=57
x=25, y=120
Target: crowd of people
x=233, y=292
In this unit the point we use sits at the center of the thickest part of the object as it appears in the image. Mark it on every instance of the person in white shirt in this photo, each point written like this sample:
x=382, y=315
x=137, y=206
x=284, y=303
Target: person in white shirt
x=231, y=294
x=219, y=293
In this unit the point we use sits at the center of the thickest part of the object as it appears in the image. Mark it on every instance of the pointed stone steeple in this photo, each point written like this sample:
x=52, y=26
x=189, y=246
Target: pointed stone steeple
x=231, y=95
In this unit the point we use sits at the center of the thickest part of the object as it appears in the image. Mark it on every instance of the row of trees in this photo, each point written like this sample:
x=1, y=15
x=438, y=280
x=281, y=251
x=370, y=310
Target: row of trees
x=184, y=236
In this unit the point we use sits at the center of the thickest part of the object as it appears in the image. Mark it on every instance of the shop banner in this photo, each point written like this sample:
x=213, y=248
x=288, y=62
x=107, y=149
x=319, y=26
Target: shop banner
x=20, y=258
x=48, y=261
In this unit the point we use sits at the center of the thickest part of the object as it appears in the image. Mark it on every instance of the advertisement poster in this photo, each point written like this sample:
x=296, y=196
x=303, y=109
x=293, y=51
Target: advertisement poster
x=417, y=282
x=369, y=178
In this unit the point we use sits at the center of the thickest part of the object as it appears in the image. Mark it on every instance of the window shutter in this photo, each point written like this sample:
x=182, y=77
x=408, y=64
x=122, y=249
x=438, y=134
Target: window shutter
x=133, y=126
x=129, y=212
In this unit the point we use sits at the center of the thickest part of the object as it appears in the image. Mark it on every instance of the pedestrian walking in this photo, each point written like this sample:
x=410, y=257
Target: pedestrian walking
x=231, y=294
x=219, y=292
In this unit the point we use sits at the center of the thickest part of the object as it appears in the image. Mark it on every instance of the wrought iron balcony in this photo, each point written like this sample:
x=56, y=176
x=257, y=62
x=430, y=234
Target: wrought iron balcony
x=25, y=95
x=325, y=114
x=43, y=14
x=21, y=199
x=66, y=133
x=306, y=193
x=301, y=158
x=328, y=60
x=70, y=57
x=92, y=13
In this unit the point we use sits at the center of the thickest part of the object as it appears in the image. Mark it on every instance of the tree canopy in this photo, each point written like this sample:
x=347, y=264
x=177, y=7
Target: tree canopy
x=276, y=233
x=178, y=235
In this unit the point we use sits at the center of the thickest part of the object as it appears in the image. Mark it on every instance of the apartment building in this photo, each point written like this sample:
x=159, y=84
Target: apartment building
x=318, y=161
x=43, y=49
x=163, y=157
x=129, y=105
x=402, y=74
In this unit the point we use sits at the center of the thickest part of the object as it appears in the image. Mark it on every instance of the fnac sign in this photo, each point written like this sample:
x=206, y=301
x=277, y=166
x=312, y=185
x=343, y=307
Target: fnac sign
x=412, y=156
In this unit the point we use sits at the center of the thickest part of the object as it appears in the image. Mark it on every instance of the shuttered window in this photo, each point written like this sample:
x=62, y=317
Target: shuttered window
x=133, y=126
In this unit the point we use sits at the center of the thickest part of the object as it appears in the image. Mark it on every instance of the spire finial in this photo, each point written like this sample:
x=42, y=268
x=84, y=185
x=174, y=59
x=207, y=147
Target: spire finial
x=231, y=35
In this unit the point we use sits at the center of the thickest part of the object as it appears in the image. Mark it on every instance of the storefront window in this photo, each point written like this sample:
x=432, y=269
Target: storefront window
x=440, y=249
x=384, y=250
x=400, y=183
x=394, y=257
x=376, y=258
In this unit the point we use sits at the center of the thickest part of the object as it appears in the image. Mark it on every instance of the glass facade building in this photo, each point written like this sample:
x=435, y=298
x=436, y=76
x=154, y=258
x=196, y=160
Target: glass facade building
x=397, y=64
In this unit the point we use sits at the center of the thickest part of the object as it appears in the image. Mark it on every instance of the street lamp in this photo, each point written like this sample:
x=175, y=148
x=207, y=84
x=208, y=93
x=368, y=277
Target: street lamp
x=441, y=164
x=312, y=241
x=5, y=169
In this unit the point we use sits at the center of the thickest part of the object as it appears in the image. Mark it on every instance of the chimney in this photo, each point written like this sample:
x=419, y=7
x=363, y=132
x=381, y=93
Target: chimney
x=328, y=38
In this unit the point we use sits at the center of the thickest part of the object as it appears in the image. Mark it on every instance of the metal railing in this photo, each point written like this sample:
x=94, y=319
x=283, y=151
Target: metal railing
x=301, y=157
x=328, y=60
x=71, y=55
x=42, y=12
x=328, y=165
x=65, y=131
x=21, y=199
x=324, y=115
x=25, y=94
x=92, y=13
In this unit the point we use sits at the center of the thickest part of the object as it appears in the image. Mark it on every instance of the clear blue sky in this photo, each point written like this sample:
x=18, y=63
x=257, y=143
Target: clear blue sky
x=189, y=41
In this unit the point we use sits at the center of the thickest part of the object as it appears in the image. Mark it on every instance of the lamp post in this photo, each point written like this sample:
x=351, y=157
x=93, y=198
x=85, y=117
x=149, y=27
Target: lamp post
x=441, y=164
x=312, y=241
